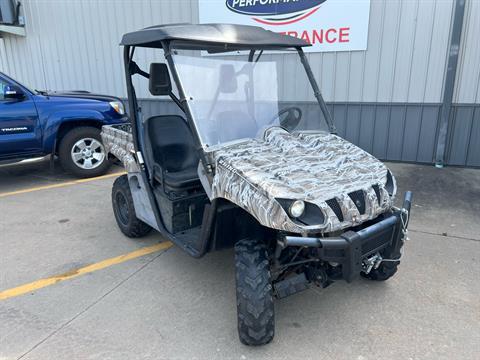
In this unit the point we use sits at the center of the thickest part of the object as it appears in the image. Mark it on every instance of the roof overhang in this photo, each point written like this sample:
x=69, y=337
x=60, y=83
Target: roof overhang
x=212, y=37
x=12, y=30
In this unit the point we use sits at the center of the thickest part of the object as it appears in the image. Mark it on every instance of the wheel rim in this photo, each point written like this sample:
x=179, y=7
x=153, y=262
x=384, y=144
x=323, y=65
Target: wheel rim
x=88, y=153
x=122, y=208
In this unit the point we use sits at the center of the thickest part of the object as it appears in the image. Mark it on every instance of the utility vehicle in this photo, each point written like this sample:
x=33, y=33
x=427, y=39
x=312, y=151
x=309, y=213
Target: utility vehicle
x=37, y=123
x=255, y=164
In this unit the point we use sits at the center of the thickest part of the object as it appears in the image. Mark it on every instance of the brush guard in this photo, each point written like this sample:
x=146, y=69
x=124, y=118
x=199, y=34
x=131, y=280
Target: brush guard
x=359, y=251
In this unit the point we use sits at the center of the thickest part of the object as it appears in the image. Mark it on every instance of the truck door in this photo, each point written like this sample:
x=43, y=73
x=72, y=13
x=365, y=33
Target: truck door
x=20, y=131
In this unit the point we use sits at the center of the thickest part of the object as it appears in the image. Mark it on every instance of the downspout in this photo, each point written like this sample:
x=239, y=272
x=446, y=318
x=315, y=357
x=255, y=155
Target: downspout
x=449, y=86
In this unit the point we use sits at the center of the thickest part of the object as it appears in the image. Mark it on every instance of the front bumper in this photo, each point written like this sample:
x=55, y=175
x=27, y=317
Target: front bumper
x=353, y=247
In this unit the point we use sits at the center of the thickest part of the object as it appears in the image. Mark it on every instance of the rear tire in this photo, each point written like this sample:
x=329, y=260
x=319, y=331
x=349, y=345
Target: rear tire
x=255, y=310
x=384, y=272
x=124, y=210
x=82, y=153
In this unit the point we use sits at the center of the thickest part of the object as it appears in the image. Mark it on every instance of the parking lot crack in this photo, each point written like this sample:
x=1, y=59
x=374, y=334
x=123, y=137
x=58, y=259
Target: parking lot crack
x=91, y=305
x=445, y=235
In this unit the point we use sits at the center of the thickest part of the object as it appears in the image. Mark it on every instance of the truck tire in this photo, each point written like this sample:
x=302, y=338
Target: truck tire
x=124, y=210
x=82, y=154
x=384, y=272
x=255, y=310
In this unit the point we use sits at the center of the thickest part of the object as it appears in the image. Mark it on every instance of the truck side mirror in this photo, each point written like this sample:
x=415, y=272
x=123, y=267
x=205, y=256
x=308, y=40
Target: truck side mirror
x=159, y=80
x=12, y=92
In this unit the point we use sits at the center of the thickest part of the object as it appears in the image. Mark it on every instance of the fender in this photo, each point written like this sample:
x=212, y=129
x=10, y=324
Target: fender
x=58, y=118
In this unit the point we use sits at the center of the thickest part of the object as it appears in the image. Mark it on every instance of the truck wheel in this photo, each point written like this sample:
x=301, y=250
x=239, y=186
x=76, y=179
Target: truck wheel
x=256, y=317
x=81, y=152
x=124, y=210
x=384, y=272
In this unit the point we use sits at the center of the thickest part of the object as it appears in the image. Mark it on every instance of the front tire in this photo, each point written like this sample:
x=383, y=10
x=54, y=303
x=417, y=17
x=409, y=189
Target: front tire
x=124, y=210
x=82, y=153
x=255, y=310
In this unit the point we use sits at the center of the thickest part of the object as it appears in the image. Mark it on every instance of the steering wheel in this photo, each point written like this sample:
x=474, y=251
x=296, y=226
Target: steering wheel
x=292, y=118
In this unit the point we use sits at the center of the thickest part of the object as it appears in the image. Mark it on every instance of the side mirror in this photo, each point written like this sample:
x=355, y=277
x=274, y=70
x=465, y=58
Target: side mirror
x=228, y=79
x=159, y=80
x=12, y=92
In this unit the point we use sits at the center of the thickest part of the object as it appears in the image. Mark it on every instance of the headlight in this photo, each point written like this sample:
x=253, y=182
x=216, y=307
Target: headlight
x=302, y=212
x=118, y=107
x=297, y=208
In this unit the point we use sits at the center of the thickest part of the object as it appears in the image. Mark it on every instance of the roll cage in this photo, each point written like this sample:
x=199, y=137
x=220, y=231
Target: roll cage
x=213, y=38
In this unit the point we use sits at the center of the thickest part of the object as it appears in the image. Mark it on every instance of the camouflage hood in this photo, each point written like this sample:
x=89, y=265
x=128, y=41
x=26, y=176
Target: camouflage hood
x=347, y=184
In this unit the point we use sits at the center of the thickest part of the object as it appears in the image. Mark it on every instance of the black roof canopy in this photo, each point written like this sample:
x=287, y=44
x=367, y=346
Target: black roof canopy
x=213, y=37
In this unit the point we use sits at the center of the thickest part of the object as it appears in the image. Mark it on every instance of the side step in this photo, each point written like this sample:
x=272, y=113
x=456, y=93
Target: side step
x=290, y=286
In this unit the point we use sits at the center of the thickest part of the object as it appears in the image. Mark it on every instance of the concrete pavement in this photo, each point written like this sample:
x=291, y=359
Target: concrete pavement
x=168, y=305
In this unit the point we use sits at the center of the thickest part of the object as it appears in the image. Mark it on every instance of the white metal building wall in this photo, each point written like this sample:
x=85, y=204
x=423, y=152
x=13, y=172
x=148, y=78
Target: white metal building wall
x=467, y=88
x=464, y=126
x=74, y=45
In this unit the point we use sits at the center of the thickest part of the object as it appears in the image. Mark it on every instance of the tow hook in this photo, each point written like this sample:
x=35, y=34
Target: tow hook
x=405, y=214
x=372, y=263
x=404, y=217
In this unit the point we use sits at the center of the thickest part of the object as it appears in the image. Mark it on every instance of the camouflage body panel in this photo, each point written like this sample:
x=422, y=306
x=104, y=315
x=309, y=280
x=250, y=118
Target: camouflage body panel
x=314, y=167
x=118, y=140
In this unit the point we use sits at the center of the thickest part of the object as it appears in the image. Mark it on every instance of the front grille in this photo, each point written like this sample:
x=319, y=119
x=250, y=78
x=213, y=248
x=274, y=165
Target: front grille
x=358, y=198
x=377, y=241
x=335, y=206
x=377, y=192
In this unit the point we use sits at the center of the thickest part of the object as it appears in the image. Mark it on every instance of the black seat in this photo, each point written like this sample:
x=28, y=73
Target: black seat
x=173, y=151
x=182, y=179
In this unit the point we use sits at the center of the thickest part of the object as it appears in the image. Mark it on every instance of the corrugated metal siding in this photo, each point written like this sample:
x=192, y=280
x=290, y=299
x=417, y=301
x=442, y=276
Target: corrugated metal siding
x=405, y=59
x=74, y=45
x=467, y=89
x=403, y=132
x=464, y=141
x=464, y=128
x=385, y=99
x=3, y=56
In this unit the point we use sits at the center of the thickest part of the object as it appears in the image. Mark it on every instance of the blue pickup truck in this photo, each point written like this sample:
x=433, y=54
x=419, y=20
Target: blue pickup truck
x=38, y=123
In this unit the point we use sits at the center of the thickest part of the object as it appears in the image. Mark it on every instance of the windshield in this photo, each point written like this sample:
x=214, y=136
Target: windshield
x=233, y=99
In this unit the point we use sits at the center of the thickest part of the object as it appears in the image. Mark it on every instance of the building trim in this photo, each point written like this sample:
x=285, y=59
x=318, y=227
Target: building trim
x=450, y=78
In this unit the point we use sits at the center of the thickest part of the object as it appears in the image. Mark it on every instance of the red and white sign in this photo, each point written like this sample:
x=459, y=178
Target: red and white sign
x=329, y=25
